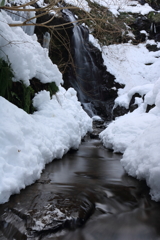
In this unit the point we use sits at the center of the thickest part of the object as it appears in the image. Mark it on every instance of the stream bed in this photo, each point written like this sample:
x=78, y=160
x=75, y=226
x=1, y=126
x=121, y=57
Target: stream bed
x=84, y=196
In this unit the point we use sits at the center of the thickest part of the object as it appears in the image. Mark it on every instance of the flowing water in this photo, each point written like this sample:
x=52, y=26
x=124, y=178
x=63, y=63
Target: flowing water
x=86, y=73
x=84, y=196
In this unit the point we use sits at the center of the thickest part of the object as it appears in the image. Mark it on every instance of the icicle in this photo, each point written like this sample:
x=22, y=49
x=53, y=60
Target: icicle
x=155, y=30
x=27, y=15
x=46, y=40
x=151, y=28
x=22, y=17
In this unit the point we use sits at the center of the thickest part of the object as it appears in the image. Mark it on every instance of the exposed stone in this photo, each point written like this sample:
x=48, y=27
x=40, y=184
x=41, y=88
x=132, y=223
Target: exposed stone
x=119, y=111
x=132, y=105
x=149, y=107
x=152, y=48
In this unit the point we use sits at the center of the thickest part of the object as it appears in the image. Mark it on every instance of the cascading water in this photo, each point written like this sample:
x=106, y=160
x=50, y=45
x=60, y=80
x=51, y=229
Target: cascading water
x=88, y=75
x=153, y=28
x=86, y=72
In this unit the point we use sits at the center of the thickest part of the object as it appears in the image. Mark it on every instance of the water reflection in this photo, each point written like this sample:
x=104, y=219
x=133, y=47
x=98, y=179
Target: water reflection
x=86, y=188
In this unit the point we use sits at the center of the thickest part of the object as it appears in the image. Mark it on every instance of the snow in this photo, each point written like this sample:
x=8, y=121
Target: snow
x=29, y=141
x=114, y=6
x=132, y=65
x=94, y=41
x=82, y=4
x=136, y=134
x=51, y=212
x=141, y=159
x=121, y=132
x=97, y=118
x=117, y=6
x=31, y=59
x=22, y=16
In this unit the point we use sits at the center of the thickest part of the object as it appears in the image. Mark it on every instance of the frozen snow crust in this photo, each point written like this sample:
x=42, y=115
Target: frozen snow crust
x=28, y=142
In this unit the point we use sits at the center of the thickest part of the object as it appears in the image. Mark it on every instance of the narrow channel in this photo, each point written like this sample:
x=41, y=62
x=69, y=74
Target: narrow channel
x=84, y=196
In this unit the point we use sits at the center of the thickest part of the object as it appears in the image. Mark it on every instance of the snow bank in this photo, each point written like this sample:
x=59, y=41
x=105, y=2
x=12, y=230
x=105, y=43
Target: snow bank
x=121, y=132
x=136, y=135
x=132, y=65
x=142, y=158
x=28, y=142
x=28, y=59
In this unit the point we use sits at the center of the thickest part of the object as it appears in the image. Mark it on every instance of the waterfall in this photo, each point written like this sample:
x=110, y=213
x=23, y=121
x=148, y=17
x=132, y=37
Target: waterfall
x=85, y=71
x=153, y=28
x=22, y=16
x=95, y=86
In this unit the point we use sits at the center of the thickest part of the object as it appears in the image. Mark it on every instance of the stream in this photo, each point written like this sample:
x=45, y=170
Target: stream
x=86, y=195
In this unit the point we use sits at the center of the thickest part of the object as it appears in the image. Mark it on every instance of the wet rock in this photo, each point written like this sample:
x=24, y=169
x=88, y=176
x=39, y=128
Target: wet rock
x=2, y=237
x=155, y=4
x=60, y=212
x=86, y=210
x=12, y=226
x=94, y=135
x=140, y=23
x=152, y=48
x=132, y=105
x=119, y=111
x=157, y=37
x=142, y=2
x=149, y=107
x=104, y=108
x=98, y=126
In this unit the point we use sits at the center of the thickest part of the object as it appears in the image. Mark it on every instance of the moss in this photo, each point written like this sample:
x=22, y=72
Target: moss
x=52, y=88
x=156, y=18
x=6, y=75
x=19, y=94
x=22, y=96
x=15, y=92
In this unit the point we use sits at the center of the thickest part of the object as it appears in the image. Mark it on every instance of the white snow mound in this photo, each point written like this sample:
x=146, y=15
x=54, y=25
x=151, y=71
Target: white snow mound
x=28, y=142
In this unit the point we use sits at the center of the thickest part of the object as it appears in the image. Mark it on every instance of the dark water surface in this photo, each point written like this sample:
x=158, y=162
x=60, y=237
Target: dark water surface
x=84, y=196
